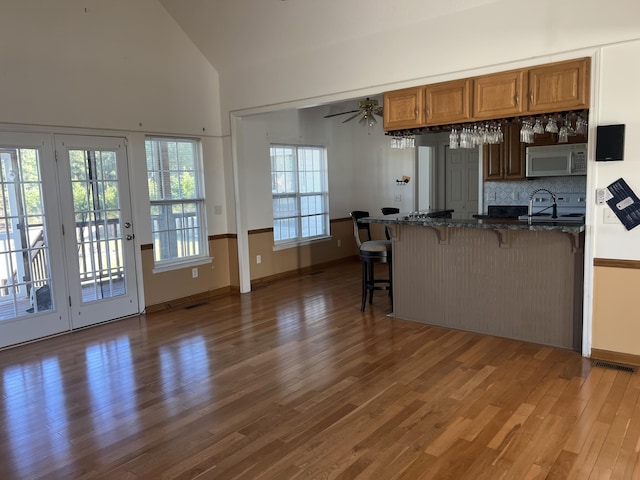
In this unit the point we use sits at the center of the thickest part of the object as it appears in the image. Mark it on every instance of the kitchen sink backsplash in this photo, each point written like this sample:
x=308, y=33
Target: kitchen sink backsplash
x=517, y=192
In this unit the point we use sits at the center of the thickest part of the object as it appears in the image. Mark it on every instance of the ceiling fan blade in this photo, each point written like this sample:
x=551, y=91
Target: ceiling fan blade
x=352, y=117
x=343, y=113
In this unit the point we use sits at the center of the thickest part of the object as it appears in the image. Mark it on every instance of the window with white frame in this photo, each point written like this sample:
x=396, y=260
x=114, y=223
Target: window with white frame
x=299, y=193
x=176, y=194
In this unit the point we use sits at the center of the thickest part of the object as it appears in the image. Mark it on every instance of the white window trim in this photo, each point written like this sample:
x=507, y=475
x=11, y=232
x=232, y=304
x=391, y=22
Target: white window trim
x=291, y=243
x=204, y=258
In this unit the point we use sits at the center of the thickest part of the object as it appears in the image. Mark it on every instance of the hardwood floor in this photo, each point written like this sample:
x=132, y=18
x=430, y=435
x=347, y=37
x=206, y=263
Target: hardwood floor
x=292, y=381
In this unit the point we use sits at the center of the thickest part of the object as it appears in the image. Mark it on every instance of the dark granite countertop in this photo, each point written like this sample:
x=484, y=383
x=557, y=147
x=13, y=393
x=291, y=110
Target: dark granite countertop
x=485, y=223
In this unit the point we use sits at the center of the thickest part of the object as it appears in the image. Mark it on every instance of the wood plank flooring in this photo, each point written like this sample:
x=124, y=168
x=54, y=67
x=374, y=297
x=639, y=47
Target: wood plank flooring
x=292, y=381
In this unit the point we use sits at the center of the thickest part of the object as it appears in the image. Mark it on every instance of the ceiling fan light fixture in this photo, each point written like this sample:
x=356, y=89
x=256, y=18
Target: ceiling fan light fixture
x=367, y=110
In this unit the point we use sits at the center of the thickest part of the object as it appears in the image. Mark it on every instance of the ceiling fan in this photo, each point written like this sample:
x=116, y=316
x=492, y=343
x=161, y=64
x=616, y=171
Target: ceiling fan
x=367, y=109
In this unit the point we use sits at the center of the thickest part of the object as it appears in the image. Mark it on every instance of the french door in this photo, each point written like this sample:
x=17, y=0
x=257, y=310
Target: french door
x=32, y=281
x=97, y=228
x=66, y=249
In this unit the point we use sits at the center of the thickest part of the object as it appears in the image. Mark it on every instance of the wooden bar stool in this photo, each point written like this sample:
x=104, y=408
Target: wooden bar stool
x=389, y=211
x=371, y=252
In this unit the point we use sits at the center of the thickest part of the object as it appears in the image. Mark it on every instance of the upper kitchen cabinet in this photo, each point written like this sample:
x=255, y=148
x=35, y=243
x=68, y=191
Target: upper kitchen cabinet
x=500, y=95
x=447, y=102
x=545, y=89
x=559, y=86
x=403, y=108
x=506, y=160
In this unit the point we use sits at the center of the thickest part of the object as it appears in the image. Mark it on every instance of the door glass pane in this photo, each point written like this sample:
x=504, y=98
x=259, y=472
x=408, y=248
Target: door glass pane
x=25, y=277
x=98, y=230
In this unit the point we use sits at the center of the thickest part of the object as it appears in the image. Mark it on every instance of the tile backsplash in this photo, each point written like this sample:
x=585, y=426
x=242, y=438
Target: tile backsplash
x=517, y=192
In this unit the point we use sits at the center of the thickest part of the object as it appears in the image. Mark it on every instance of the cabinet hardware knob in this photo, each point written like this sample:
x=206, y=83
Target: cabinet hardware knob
x=531, y=96
x=517, y=98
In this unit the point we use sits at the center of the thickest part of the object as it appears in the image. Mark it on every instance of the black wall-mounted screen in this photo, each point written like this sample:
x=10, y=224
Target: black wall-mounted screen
x=610, y=143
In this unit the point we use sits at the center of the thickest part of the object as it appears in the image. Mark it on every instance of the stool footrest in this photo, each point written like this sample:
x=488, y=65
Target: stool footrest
x=369, y=282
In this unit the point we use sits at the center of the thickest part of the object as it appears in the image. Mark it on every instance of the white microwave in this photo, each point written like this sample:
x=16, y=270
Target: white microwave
x=557, y=160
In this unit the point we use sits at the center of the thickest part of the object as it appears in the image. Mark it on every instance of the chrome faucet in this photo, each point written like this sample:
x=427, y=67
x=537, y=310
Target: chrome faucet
x=554, y=213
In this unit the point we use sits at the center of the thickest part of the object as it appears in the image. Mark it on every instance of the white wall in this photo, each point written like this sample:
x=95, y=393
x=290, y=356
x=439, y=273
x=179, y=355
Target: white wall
x=113, y=67
x=618, y=99
x=362, y=167
x=104, y=64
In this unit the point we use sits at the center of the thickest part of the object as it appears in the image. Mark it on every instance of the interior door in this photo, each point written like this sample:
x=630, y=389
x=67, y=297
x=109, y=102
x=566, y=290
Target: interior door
x=462, y=181
x=32, y=281
x=426, y=177
x=98, y=230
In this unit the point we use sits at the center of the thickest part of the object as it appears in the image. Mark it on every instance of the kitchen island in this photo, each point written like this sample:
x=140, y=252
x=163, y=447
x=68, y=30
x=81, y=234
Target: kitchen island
x=509, y=278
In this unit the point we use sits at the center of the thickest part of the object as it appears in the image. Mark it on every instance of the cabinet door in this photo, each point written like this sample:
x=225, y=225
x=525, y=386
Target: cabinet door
x=514, y=154
x=559, y=86
x=499, y=95
x=492, y=161
x=403, y=108
x=448, y=102
x=505, y=161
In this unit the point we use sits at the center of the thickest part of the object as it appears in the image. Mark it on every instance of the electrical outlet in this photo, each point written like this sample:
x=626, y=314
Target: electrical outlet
x=258, y=259
x=339, y=242
x=194, y=272
x=398, y=198
x=217, y=209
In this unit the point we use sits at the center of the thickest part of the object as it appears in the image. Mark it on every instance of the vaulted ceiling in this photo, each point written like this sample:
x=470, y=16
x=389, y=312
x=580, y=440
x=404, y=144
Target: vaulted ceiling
x=235, y=33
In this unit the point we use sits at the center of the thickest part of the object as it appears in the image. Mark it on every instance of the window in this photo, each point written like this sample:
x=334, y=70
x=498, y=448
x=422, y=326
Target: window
x=176, y=194
x=299, y=192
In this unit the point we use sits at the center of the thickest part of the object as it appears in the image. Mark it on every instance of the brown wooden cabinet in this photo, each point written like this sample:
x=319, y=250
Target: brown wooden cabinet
x=500, y=95
x=559, y=86
x=447, y=102
x=555, y=87
x=403, y=108
x=505, y=161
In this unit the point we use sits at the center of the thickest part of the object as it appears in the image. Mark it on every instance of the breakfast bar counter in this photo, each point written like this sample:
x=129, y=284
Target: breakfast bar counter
x=509, y=278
